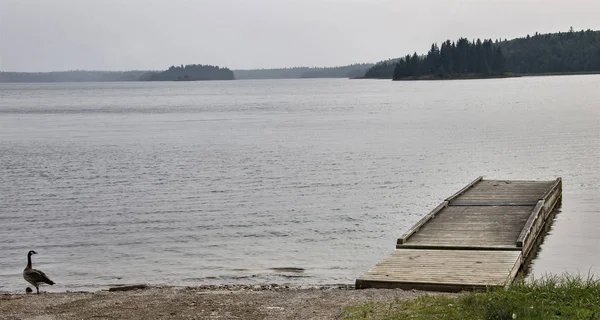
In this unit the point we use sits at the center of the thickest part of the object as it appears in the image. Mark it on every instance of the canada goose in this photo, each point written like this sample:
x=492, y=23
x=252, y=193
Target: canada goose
x=35, y=277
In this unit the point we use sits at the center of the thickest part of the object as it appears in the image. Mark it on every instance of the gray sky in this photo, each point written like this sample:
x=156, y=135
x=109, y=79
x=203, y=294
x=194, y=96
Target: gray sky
x=44, y=35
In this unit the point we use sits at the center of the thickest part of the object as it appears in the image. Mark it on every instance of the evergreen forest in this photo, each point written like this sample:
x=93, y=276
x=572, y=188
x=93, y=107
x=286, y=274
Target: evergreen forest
x=552, y=53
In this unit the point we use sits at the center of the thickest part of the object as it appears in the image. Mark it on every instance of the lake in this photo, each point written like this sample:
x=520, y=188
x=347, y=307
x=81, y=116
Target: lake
x=192, y=183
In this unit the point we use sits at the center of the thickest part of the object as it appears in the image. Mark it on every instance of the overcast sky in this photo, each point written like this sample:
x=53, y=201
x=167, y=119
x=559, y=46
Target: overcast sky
x=44, y=35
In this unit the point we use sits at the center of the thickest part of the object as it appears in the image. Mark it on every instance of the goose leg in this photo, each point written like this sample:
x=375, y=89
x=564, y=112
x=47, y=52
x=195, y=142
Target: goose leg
x=37, y=289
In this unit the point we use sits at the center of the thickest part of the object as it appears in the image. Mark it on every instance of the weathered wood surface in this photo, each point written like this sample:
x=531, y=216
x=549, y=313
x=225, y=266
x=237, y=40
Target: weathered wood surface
x=464, y=189
x=502, y=191
x=534, y=225
x=479, y=226
x=478, y=237
x=458, y=269
x=422, y=222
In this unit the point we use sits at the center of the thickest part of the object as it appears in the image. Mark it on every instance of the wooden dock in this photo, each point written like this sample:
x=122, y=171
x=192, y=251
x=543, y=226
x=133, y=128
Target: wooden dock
x=479, y=237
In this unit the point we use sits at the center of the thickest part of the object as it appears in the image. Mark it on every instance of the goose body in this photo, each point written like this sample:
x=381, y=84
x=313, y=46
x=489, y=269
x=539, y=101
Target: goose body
x=33, y=276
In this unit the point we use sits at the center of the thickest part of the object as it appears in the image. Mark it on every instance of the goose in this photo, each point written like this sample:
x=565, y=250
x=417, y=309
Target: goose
x=35, y=277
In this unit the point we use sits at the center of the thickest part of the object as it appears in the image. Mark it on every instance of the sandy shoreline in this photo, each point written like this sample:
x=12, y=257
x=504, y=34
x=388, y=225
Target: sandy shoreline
x=205, y=302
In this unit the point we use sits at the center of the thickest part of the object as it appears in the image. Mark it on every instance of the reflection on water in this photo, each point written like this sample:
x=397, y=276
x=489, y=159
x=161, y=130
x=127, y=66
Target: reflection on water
x=247, y=181
x=571, y=241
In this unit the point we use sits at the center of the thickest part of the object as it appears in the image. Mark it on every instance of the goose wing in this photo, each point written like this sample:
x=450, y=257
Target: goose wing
x=37, y=276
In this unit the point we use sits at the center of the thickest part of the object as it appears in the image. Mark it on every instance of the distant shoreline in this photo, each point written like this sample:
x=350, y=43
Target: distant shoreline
x=483, y=77
x=467, y=76
x=179, y=73
x=578, y=73
x=422, y=78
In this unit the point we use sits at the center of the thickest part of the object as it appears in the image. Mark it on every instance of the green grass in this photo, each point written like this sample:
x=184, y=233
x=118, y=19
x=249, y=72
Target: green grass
x=552, y=297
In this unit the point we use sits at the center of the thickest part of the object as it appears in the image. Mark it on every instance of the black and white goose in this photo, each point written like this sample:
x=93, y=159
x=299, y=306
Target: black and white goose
x=35, y=277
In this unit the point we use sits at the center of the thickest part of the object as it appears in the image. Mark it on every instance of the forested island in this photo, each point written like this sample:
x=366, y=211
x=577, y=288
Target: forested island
x=190, y=72
x=553, y=53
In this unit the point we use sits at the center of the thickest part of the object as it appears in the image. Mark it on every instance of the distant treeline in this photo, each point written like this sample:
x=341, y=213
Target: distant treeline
x=382, y=70
x=190, y=72
x=349, y=71
x=452, y=60
x=193, y=72
x=280, y=73
x=71, y=76
x=563, y=52
x=572, y=51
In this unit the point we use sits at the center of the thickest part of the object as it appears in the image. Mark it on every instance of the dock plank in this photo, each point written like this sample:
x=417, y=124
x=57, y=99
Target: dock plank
x=505, y=191
x=493, y=225
x=414, y=268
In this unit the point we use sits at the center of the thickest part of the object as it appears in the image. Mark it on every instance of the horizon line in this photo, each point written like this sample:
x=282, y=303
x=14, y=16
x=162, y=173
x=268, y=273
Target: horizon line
x=237, y=69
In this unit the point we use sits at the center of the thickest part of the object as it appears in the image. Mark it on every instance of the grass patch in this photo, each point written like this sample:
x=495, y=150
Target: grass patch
x=551, y=297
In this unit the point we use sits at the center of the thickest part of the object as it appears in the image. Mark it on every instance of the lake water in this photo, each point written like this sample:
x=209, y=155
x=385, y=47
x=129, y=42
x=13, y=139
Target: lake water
x=224, y=182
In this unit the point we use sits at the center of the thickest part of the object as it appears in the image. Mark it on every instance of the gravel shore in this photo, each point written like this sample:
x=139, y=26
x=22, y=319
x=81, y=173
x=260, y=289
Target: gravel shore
x=204, y=302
